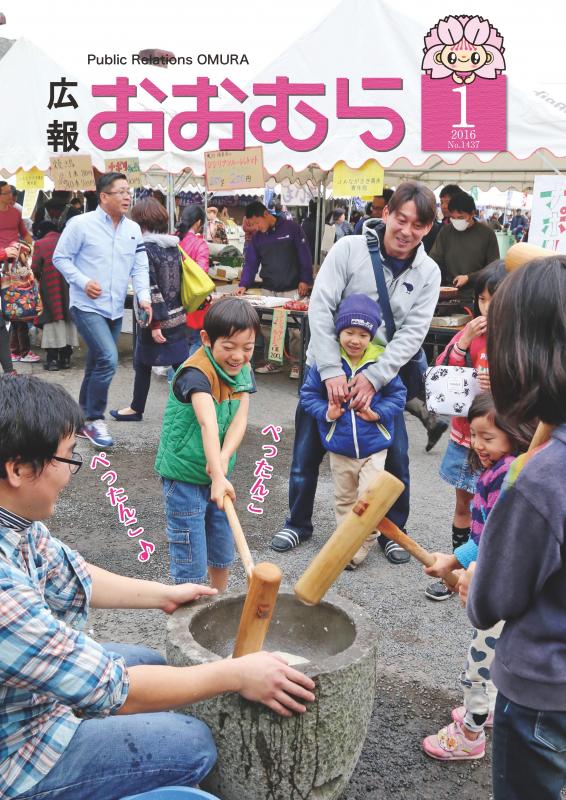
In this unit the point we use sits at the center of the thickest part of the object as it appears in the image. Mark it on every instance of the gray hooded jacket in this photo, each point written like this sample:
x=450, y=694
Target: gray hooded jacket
x=347, y=269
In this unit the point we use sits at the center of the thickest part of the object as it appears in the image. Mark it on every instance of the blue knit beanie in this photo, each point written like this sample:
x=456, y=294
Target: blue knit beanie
x=358, y=311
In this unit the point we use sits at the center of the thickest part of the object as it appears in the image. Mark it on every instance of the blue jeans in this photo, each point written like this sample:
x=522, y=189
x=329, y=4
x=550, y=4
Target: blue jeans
x=529, y=752
x=198, y=532
x=110, y=758
x=308, y=453
x=101, y=335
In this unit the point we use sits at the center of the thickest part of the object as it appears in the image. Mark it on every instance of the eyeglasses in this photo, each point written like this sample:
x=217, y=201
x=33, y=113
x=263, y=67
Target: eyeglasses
x=74, y=463
x=122, y=192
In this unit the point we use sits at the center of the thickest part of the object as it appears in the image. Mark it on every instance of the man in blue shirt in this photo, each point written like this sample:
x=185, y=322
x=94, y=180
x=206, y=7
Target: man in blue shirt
x=281, y=247
x=97, y=254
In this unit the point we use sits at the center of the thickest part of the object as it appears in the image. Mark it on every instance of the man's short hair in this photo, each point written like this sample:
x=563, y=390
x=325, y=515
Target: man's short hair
x=387, y=195
x=420, y=195
x=151, y=216
x=255, y=209
x=104, y=183
x=450, y=190
x=462, y=202
x=229, y=316
x=34, y=417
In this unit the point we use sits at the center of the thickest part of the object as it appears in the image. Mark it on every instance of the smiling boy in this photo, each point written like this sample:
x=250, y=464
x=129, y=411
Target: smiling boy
x=205, y=421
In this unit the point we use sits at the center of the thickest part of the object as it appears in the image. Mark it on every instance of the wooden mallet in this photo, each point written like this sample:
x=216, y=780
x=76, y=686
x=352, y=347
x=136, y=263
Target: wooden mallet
x=263, y=584
x=347, y=538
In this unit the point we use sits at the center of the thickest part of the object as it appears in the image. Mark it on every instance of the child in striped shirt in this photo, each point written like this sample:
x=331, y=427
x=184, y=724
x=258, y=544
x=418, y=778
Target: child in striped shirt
x=495, y=444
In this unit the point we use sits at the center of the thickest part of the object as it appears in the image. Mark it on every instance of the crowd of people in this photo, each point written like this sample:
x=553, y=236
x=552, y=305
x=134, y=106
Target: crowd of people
x=69, y=701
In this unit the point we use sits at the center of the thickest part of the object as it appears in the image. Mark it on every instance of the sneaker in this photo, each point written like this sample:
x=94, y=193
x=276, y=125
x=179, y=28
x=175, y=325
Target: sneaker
x=52, y=366
x=363, y=552
x=97, y=432
x=15, y=357
x=438, y=591
x=435, y=433
x=295, y=373
x=458, y=715
x=29, y=358
x=394, y=553
x=268, y=369
x=450, y=744
x=287, y=539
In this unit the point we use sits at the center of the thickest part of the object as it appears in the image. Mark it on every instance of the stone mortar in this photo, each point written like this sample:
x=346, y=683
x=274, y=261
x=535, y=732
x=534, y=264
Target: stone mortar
x=262, y=756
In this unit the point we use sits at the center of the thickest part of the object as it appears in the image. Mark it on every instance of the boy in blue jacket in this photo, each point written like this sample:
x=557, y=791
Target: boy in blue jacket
x=357, y=440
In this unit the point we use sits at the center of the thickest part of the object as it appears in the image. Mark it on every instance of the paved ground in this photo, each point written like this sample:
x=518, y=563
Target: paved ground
x=423, y=644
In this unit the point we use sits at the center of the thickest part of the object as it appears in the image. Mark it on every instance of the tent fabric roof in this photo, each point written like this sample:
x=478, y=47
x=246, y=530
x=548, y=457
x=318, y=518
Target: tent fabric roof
x=358, y=39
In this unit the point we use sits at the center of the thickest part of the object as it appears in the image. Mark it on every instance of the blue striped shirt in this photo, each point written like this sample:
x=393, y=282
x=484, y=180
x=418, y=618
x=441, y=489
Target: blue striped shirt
x=92, y=248
x=51, y=673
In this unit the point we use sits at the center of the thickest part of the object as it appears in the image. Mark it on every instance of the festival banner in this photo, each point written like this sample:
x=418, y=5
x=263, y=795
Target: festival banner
x=367, y=180
x=130, y=167
x=548, y=215
x=29, y=179
x=72, y=173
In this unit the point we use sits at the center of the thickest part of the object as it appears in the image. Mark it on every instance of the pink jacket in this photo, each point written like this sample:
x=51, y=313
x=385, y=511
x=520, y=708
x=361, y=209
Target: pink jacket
x=195, y=247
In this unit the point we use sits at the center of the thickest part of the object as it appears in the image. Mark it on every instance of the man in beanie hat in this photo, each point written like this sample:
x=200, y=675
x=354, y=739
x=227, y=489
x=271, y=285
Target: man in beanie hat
x=357, y=440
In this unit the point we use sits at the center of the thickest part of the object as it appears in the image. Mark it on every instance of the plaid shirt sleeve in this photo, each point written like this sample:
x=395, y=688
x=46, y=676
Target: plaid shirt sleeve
x=42, y=654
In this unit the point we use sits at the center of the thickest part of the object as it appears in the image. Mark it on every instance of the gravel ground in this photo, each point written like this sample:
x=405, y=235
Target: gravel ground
x=423, y=644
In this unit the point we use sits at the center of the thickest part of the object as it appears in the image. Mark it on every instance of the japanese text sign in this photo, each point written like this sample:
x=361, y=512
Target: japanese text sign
x=130, y=167
x=29, y=179
x=277, y=339
x=367, y=180
x=548, y=215
x=72, y=173
x=234, y=169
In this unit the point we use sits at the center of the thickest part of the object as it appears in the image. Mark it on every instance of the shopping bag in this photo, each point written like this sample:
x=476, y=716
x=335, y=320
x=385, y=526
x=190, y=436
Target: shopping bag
x=196, y=286
x=451, y=390
x=21, y=300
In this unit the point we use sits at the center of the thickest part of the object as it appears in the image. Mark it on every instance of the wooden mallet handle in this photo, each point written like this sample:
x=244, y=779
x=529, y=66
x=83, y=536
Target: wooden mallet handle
x=396, y=534
x=258, y=609
x=239, y=538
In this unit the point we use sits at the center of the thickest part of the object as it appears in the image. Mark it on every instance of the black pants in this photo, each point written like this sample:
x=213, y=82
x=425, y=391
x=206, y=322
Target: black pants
x=142, y=381
x=5, y=357
x=19, y=338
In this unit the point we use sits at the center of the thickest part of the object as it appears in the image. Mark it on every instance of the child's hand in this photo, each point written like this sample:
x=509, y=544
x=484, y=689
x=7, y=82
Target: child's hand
x=334, y=411
x=483, y=379
x=464, y=581
x=368, y=415
x=219, y=487
x=476, y=327
x=443, y=564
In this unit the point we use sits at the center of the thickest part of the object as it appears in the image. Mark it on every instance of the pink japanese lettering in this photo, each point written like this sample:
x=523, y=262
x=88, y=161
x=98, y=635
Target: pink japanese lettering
x=345, y=111
x=282, y=90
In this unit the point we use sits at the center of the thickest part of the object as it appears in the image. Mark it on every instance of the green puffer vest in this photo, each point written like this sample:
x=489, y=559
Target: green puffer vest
x=181, y=456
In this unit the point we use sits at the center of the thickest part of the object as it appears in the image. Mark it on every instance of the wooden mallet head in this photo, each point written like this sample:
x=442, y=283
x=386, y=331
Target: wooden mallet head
x=258, y=609
x=347, y=538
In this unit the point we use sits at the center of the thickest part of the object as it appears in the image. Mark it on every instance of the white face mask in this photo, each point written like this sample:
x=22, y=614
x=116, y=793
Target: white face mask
x=460, y=224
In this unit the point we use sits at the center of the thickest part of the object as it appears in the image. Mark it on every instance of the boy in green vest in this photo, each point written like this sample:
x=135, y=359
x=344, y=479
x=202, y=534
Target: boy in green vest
x=204, y=423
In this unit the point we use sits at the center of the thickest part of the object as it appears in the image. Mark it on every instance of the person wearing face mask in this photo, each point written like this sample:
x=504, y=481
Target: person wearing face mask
x=464, y=247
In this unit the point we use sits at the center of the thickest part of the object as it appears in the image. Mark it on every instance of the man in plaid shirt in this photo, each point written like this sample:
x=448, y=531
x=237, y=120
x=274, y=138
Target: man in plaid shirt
x=79, y=719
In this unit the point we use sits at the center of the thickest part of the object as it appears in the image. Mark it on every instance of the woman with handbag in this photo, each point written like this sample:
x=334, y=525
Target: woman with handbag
x=467, y=348
x=6, y=253
x=164, y=342
x=23, y=300
x=192, y=223
x=59, y=331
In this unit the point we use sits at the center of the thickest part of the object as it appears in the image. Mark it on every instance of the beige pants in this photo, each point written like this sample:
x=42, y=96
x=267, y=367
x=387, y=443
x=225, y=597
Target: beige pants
x=294, y=335
x=351, y=477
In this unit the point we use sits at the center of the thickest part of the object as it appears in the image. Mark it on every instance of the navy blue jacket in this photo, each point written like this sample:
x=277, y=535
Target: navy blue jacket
x=350, y=435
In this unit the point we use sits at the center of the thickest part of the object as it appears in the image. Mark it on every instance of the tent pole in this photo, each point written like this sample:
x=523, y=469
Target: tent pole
x=171, y=200
x=316, y=254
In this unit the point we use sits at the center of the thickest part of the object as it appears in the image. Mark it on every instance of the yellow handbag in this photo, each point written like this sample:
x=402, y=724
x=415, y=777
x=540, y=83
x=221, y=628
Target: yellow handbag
x=196, y=286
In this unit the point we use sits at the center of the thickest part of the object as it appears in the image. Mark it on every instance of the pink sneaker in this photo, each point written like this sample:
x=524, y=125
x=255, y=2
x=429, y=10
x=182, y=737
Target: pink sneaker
x=450, y=744
x=30, y=358
x=459, y=714
x=15, y=357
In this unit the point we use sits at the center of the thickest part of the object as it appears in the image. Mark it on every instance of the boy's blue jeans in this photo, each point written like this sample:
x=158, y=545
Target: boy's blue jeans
x=308, y=453
x=529, y=752
x=110, y=758
x=198, y=532
x=100, y=335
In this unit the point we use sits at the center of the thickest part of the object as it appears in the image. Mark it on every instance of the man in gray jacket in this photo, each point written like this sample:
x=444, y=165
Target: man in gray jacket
x=413, y=283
